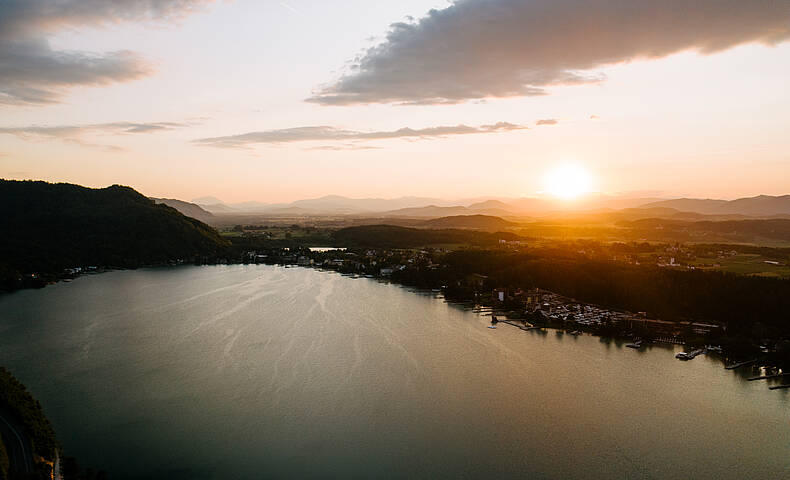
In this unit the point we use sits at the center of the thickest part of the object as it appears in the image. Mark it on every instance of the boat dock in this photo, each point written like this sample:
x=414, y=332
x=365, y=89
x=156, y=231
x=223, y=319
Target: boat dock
x=520, y=325
x=765, y=377
x=740, y=364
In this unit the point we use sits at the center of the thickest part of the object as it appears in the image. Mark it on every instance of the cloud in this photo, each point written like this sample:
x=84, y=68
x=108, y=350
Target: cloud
x=324, y=133
x=547, y=121
x=344, y=147
x=510, y=48
x=32, y=73
x=76, y=133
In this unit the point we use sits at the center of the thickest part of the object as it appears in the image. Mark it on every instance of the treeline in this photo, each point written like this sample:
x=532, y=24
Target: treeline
x=391, y=236
x=5, y=464
x=774, y=253
x=50, y=227
x=749, y=306
x=750, y=230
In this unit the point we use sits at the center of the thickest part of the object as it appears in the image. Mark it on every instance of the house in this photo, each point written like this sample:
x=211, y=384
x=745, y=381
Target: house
x=533, y=299
x=475, y=279
x=499, y=294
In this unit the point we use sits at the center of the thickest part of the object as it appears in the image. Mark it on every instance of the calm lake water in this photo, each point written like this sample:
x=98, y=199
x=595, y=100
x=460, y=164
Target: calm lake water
x=246, y=372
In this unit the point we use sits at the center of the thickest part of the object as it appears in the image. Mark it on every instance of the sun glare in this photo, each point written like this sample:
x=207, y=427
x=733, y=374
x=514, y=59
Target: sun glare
x=568, y=181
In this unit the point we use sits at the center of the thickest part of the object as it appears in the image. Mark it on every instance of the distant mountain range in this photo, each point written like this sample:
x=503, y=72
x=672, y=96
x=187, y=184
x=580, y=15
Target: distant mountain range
x=328, y=205
x=762, y=206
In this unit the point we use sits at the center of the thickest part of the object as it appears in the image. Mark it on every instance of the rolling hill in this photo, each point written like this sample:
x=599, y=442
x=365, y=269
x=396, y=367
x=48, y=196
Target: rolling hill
x=472, y=222
x=188, y=209
x=430, y=211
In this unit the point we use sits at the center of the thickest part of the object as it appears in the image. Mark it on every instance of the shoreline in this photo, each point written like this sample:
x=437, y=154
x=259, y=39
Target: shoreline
x=732, y=364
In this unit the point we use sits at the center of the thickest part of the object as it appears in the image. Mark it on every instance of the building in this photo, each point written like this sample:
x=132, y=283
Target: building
x=499, y=294
x=533, y=300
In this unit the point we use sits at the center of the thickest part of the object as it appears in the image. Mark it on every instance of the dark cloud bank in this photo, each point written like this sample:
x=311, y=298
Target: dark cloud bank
x=31, y=72
x=505, y=48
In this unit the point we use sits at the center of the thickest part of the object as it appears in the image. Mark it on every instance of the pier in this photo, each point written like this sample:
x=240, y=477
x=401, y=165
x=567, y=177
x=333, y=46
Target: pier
x=765, y=377
x=740, y=364
x=523, y=326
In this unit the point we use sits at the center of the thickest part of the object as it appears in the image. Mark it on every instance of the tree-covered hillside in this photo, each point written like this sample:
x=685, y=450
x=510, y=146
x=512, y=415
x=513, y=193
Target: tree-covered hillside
x=50, y=227
x=15, y=400
x=403, y=237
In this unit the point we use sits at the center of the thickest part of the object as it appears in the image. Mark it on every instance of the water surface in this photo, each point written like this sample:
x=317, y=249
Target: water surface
x=246, y=372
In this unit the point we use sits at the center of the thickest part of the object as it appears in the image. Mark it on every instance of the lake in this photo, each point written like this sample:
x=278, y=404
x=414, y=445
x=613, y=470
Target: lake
x=254, y=371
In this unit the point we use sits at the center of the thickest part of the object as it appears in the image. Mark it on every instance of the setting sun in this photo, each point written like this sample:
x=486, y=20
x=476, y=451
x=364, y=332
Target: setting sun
x=568, y=181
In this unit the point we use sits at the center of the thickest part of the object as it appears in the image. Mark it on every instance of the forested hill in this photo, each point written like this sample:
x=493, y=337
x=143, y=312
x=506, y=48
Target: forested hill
x=473, y=222
x=50, y=227
x=391, y=236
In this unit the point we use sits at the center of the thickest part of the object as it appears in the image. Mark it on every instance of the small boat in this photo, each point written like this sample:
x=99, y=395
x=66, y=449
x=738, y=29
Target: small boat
x=491, y=326
x=636, y=344
x=689, y=355
x=575, y=333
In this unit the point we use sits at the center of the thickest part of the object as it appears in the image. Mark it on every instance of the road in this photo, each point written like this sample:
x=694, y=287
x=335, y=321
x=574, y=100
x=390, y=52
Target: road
x=16, y=443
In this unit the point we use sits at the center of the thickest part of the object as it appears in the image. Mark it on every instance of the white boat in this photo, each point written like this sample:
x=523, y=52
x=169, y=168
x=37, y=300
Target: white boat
x=683, y=356
x=636, y=344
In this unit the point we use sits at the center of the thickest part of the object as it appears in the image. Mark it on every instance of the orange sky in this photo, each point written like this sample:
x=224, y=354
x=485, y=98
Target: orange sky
x=276, y=101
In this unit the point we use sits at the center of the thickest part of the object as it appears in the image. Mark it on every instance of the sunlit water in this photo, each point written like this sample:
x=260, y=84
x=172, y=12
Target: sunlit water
x=245, y=372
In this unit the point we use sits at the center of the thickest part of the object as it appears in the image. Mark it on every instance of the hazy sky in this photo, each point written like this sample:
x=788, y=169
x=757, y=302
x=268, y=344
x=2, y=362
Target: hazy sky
x=280, y=100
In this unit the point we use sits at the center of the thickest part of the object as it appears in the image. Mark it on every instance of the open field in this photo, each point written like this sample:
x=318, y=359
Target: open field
x=743, y=264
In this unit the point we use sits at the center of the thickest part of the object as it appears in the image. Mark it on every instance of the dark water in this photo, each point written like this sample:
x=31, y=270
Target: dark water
x=245, y=372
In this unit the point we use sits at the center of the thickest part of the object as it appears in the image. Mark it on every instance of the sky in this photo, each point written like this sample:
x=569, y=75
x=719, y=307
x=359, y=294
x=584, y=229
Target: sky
x=275, y=101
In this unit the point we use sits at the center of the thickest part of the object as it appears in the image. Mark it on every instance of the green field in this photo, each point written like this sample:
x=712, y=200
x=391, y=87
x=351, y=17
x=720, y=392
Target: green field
x=743, y=264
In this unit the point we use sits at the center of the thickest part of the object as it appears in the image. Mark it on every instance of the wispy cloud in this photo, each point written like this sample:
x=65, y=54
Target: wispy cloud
x=325, y=133
x=506, y=48
x=32, y=73
x=345, y=147
x=76, y=133
x=547, y=121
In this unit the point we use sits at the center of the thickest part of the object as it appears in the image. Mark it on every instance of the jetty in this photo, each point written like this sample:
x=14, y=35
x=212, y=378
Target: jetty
x=740, y=364
x=765, y=377
x=523, y=326
x=778, y=387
